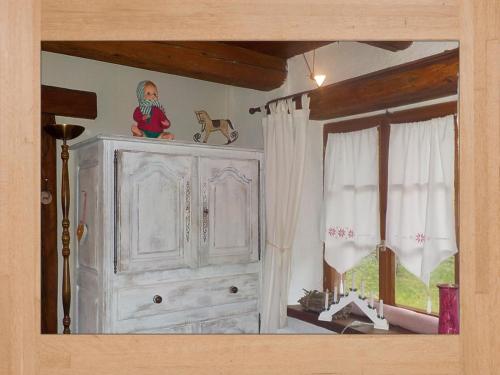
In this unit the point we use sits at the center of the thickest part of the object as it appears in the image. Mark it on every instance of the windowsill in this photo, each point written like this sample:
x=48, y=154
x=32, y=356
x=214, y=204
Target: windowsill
x=338, y=325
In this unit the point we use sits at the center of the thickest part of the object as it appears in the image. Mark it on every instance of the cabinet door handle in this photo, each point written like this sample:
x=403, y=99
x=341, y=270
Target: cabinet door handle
x=157, y=299
x=233, y=290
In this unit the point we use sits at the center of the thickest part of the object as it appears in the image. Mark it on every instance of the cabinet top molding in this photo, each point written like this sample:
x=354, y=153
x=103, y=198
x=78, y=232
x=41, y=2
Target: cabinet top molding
x=124, y=138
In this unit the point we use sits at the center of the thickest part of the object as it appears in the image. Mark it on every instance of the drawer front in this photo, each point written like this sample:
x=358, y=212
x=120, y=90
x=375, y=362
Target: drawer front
x=189, y=319
x=248, y=323
x=171, y=330
x=164, y=298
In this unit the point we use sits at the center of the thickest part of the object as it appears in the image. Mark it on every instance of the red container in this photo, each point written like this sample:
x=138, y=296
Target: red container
x=449, y=322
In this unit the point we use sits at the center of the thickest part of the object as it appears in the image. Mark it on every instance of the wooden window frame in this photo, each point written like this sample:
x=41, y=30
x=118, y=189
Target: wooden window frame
x=387, y=259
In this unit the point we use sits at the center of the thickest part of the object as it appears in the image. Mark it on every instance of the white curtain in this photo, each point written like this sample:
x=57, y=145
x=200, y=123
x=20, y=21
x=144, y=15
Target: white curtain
x=420, y=211
x=284, y=151
x=351, y=218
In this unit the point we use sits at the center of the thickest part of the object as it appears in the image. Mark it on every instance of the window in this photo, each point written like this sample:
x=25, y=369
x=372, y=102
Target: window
x=380, y=270
x=368, y=271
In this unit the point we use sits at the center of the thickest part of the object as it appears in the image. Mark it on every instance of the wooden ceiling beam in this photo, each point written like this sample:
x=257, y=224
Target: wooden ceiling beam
x=287, y=49
x=283, y=49
x=393, y=46
x=428, y=78
x=67, y=102
x=209, y=61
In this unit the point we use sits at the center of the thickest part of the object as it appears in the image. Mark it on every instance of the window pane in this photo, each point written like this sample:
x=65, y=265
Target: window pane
x=411, y=291
x=367, y=270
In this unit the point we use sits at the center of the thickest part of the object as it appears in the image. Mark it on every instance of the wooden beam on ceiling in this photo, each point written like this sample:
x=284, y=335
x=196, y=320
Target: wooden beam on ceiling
x=209, y=61
x=66, y=102
x=287, y=49
x=393, y=46
x=280, y=49
x=428, y=78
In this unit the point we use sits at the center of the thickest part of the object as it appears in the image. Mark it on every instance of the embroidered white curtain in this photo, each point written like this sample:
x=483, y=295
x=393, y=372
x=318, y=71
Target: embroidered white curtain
x=351, y=218
x=284, y=151
x=420, y=211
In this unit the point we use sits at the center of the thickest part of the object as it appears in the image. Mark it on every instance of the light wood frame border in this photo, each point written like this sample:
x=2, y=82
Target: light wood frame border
x=23, y=23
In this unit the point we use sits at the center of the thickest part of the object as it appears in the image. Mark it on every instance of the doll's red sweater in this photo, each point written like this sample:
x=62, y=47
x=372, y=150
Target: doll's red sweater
x=153, y=123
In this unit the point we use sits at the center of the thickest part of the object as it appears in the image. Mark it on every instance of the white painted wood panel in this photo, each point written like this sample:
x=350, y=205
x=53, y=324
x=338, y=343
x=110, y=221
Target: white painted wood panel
x=188, y=294
x=87, y=210
x=154, y=208
x=248, y=323
x=176, y=329
x=229, y=210
x=88, y=307
x=190, y=316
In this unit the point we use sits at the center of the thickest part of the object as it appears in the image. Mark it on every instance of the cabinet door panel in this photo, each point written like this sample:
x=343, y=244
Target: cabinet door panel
x=154, y=211
x=229, y=213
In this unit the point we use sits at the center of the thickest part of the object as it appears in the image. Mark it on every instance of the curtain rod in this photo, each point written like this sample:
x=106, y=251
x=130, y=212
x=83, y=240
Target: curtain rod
x=252, y=110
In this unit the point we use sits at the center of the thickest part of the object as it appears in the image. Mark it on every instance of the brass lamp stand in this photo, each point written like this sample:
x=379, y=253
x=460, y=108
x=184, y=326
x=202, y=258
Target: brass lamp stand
x=65, y=132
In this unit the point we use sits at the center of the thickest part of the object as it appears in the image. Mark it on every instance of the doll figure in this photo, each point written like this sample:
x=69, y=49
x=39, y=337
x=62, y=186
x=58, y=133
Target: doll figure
x=150, y=114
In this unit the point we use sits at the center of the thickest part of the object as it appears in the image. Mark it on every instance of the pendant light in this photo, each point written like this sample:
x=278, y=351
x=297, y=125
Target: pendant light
x=318, y=78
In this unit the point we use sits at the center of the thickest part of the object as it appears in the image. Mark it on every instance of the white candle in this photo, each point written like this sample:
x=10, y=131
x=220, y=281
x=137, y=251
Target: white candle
x=429, y=305
x=372, y=302
x=341, y=286
x=335, y=294
x=381, y=308
x=353, y=286
x=326, y=300
x=362, y=293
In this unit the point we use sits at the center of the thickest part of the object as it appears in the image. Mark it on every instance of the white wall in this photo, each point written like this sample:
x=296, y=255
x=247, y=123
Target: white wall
x=338, y=61
x=115, y=87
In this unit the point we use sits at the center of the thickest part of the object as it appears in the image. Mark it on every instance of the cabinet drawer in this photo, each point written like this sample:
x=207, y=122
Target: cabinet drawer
x=171, y=330
x=248, y=323
x=170, y=297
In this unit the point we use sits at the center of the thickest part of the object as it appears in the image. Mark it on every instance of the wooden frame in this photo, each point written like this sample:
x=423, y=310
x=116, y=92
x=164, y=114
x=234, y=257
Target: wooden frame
x=387, y=259
x=23, y=350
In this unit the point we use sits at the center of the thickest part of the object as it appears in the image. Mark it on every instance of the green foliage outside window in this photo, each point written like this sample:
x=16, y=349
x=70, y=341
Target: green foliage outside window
x=410, y=290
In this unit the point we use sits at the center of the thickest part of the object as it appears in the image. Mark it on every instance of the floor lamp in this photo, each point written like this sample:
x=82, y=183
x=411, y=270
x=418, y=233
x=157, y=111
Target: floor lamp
x=65, y=132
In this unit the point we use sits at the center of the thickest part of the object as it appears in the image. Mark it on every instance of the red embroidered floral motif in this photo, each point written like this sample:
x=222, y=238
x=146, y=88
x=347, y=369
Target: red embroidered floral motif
x=340, y=232
x=420, y=238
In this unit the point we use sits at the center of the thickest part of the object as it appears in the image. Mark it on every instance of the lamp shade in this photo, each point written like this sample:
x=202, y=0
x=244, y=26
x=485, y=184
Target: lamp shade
x=319, y=78
x=64, y=131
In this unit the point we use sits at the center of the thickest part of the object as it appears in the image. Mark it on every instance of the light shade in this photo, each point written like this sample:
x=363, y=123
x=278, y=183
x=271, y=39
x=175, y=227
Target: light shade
x=319, y=78
x=64, y=131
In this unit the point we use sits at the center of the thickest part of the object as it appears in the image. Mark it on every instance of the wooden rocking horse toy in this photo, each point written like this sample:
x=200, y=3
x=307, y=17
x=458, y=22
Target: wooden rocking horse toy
x=208, y=126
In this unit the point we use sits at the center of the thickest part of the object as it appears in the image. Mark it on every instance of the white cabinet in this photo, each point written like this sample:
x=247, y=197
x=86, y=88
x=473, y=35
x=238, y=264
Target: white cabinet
x=173, y=237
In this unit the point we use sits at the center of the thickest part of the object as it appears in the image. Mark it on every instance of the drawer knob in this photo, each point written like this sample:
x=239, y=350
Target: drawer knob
x=157, y=299
x=233, y=290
